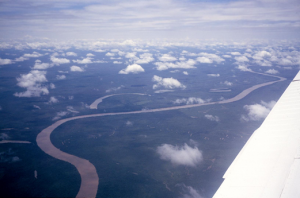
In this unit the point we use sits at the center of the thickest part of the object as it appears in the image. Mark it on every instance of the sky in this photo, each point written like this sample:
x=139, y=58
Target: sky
x=155, y=19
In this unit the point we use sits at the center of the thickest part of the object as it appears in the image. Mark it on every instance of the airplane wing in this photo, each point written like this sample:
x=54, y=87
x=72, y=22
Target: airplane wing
x=268, y=166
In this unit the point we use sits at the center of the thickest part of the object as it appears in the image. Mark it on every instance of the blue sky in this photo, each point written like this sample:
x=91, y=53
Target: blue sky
x=90, y=19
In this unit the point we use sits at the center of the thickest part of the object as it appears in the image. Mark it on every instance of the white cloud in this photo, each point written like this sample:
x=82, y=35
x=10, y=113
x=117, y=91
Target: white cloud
x=226, y=56
x=71, y=109
x=114, y=89
x=75, y=68
x=71, y=54
x=243, y=68
x=135, y=69
x=228, y=83
x=264, y=63
x=213, y=75
x=204, y=60
x=32, y=82
x=272, y=71
x=209, y=58
x=145, y=58
x=177, y=65
x=189, y=192
x=212, y=118
x=168, y=83
x=60, y=114
x=5, y=61
x=86, y=60
x=109, y=54
x=129, y=123
x=60, y=77
x=117, y=62
x=258, y=111
x=90, y=54
x=59, y=61
x=37, y=107
x=20, y=59
x=52, y=86
x=33, y=55
x=235, y=53
x=285, y=61
x=190, y=100
x=184, y=155
x=241, y=59
x=131, y=55
x=53, y=100
x=4, y=136
x=39, y=65
x=182, y=58
x=167, y=57
x=261, y=55
x=163, y=91
x=185, y=73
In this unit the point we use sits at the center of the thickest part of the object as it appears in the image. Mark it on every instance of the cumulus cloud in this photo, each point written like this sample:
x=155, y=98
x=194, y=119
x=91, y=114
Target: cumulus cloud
x=86, y=60
x=59, y=61
x=177, y=65
x=5, y=61
x=33, y=55
x=145, y=58
x=39, y=65
x=226, y=56
x=32, y=82
x=209, y=58
x=168, y=83
x=184, y=155
x=60, y=77
x=129, y=123
x=52, y=86
x=204, y=60
x=212, y=118
x=134, y=68
x=241, y=59
x=114, y=89
x=71, y=109
x=272, y=71
x=117, y=62
x=20, y=59
x=167, y=57
x=75, y=68
x=53, y=100
x=190, y=100
x=258, y=111
x=4, y=136
x=185, y=73
x=243, y=68
x=189, y=192
x=213, y=75
x=235, y=53
x=60, y=114
x=90, y=54
x=261, y=55
x=131, y=55
x=71, y=54
x=228, y=83
x=109, y=54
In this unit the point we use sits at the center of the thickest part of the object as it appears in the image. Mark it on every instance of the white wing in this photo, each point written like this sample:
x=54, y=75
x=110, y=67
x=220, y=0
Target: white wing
x=269, y=164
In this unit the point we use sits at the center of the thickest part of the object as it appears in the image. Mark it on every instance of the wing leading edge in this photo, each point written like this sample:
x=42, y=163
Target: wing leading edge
x=268, y=166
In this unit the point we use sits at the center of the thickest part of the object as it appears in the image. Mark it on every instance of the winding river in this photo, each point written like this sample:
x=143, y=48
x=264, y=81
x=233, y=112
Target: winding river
x=87, y=171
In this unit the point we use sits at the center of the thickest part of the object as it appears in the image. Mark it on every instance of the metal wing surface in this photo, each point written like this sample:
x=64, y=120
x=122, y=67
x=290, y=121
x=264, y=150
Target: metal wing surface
x=268, y=166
